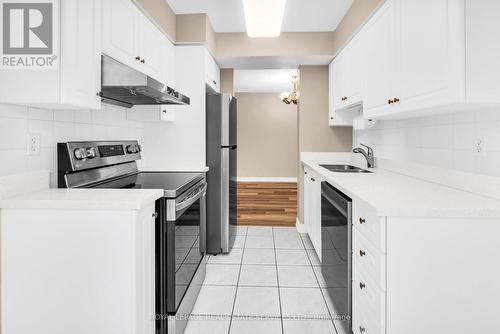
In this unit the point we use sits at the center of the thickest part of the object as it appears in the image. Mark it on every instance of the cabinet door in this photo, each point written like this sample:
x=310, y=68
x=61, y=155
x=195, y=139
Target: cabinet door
x=337, y=78
x=351, y=80
x=119, y=31
x=312, y=208
x=81, y=55
x=316, y=214
x=307, y=201
x=483, y=51
x=167, y=114
x=156, y=113
x=168, y=62
x=427, y=30
x=381, y=62
x=148, y=38
x=212, y=72
x=145, y=269
x=331, y=93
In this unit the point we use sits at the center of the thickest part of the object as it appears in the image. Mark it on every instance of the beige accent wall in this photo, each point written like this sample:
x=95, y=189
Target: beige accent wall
x=267, y=136
x=314, y=134
x=288, y=44
x=227, y=80
x=356, y=15
x=191, y=28
x=197, y=28
x=210, y=36
x=162, y=14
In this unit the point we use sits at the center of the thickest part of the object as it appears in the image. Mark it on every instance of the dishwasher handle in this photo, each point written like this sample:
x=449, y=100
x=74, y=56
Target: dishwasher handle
x=336, y=198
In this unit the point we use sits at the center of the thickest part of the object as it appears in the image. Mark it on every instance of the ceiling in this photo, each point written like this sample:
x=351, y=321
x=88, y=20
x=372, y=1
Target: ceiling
x=300, y=15
x=263, y=81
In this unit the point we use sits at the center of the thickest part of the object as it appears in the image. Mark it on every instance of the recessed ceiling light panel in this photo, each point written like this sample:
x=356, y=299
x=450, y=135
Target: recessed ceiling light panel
x=264, y=17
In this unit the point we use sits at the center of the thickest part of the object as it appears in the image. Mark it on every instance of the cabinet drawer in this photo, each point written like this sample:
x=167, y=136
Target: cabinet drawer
x=369, y=304
x=371, y=226
x=368, y=260
x=364, y=323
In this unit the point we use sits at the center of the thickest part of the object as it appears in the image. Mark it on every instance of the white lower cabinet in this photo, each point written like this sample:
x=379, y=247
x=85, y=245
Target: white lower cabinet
x=418, y=275
x=66, y=264
x=312, y=207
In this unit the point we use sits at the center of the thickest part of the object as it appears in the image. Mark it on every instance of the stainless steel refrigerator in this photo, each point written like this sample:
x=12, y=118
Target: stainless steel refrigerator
x=221, y=177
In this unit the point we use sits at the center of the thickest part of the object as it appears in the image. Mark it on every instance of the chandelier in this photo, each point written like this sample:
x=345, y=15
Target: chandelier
x=293, y=96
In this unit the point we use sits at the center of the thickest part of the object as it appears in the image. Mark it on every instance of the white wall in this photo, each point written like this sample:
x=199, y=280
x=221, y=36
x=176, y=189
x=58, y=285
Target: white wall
x=56, y=126
x=447, y=141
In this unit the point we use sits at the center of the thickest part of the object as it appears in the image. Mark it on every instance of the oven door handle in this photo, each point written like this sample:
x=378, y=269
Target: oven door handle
x=186, y=203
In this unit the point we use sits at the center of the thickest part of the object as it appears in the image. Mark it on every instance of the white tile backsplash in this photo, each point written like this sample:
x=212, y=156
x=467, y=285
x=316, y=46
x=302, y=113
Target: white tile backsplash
x=53, y=126
x=447, y=141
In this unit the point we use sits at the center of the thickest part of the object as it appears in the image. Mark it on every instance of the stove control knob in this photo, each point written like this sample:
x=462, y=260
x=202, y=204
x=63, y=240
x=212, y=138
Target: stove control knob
x=130, y=149
x=80, y=153
x=91, y=152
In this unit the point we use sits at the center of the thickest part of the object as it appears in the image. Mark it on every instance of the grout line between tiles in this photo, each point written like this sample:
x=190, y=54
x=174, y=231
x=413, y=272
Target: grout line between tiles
x=320, y=289
x=237, y=282
x=278, y=282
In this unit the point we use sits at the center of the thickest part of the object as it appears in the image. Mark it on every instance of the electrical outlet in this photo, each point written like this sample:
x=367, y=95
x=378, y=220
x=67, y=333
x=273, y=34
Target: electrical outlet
x=479, y=145
x=34, y=143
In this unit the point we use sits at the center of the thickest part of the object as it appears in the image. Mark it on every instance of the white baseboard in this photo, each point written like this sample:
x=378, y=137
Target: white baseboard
x=301, y=228
x=266, y=179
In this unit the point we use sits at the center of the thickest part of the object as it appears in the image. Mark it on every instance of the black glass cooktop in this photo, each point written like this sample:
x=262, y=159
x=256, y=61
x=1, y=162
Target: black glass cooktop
x=174, y=184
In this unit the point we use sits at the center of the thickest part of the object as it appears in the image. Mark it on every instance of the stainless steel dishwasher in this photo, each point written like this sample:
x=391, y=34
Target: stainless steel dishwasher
x=336, y=248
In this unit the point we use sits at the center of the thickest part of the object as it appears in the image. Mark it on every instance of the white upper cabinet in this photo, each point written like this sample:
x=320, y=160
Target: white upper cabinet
x=155, y=113
x=131, y=38
x=431, y=53
x=119, y=31
x=483, y=51
x=345, y=84
x=167, y=50
x=421, y=57
x=212, y=72
x=75, y=82
x=148, y=40
x=381, y=60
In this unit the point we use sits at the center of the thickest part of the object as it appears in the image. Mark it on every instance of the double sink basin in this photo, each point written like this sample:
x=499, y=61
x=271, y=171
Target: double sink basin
x=344, y=169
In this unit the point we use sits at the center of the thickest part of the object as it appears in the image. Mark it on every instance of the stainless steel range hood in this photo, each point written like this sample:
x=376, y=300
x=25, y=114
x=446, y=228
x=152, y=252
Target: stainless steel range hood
x=124, y=86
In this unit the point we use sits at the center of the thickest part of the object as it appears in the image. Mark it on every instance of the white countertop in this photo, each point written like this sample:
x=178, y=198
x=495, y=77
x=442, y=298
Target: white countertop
x=395, y=194
x=83, y=199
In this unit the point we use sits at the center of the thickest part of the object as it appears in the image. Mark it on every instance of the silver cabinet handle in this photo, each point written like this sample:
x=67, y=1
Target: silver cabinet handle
x=362, y=285
x=362, y=253
x=361, y=329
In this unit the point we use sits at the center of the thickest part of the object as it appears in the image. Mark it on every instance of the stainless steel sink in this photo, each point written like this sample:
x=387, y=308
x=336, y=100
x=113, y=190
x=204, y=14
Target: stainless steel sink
x=344, y=169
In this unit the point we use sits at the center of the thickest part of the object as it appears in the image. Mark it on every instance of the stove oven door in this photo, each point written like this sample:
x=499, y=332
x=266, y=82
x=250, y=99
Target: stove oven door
x=180, y=252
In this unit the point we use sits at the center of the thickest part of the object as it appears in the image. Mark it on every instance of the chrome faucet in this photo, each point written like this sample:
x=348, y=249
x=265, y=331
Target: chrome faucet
x=370, y=159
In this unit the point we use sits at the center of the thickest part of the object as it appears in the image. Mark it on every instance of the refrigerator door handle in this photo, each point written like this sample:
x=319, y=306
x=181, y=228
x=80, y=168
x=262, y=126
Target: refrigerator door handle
x=231, y=147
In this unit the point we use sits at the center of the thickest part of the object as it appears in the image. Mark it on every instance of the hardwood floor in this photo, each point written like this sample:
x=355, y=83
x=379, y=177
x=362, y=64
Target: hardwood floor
x=267, y=203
